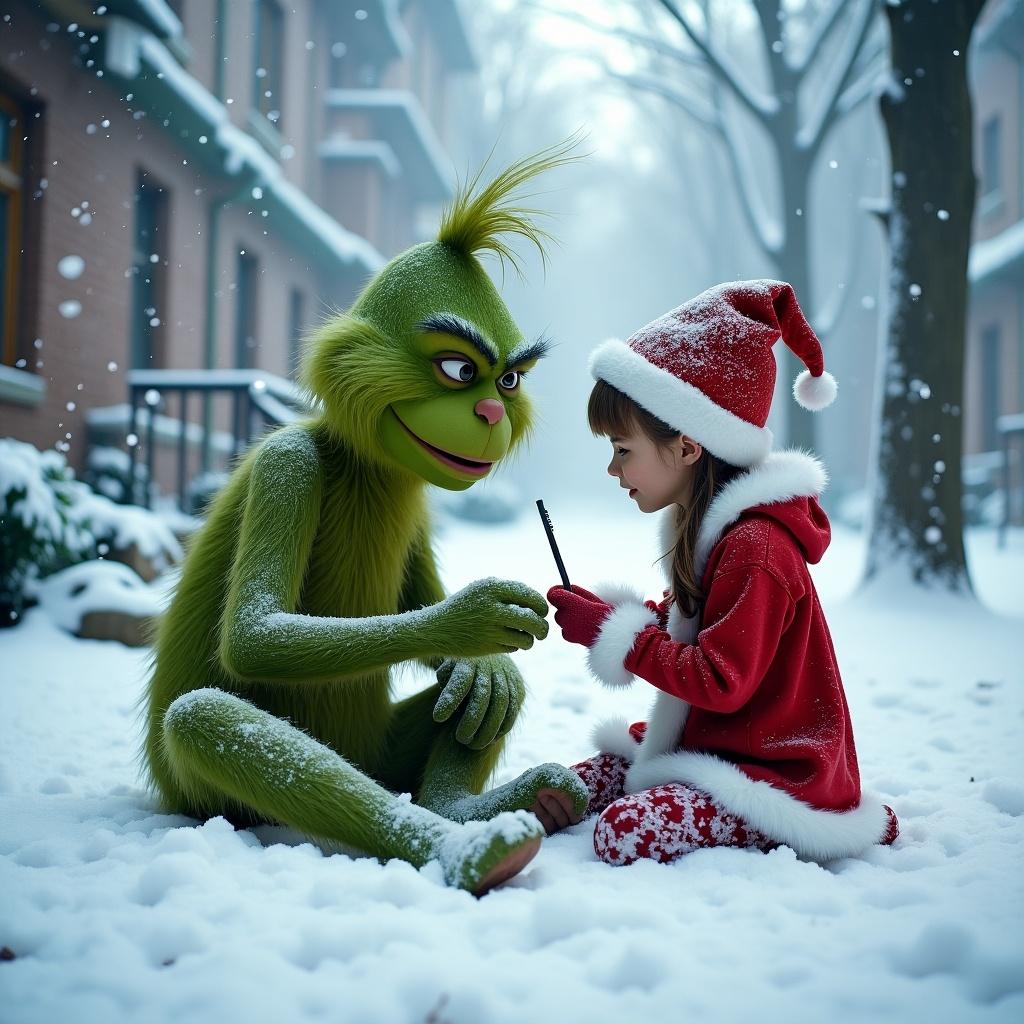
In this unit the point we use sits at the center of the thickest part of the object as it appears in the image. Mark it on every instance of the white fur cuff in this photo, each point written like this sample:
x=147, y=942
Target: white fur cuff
x=615, y=641
x=815, y=834
x=611, y=736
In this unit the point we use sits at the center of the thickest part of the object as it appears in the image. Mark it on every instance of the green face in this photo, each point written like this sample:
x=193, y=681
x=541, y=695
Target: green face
x=425, y=371
x=454, y=438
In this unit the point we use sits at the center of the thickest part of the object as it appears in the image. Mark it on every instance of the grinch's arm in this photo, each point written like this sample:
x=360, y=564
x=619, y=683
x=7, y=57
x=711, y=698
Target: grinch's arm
x=262, y=637
x=490, y=689
x=421, y=586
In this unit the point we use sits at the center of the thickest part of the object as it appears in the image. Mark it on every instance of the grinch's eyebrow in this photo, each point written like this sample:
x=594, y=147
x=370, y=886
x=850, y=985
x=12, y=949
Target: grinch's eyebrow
x=529, y=350
x=457, y=327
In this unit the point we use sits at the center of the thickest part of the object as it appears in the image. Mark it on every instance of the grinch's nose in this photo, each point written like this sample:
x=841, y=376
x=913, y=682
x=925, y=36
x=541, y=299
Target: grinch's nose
x=489, y=409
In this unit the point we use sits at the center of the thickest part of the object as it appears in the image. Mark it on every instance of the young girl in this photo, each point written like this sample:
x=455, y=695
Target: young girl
x=749, y=741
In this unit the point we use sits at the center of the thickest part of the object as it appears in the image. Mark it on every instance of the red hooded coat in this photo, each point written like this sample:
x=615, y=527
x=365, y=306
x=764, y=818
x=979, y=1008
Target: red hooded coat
x=751, y=707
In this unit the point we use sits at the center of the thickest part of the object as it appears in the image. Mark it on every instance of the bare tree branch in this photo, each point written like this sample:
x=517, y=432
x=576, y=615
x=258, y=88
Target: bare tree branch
x=763, y=108
x=819, y=34
x=647, y=42
x=811, y=135
x=646, y=83
x=830, y=315
x=714, y=121
x=770, y=244
x=864, y=88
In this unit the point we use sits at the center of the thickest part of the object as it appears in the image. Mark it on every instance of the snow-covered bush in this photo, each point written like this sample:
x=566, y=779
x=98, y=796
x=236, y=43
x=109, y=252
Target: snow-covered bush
x=73, y=593
x=203, y=489
x=39, y=532
x=108, y=471
x=50, y=520
x=491, y=502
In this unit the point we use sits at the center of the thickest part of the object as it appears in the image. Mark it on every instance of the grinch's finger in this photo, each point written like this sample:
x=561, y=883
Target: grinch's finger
x=511, y=714
x=488, y=731
x=476, y=709
x=459, y=685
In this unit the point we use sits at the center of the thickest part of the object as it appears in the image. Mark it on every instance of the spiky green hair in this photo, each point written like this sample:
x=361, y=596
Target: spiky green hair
x=477, y=218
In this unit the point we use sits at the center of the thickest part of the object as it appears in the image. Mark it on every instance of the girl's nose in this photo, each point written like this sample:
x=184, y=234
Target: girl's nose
x=490, y=409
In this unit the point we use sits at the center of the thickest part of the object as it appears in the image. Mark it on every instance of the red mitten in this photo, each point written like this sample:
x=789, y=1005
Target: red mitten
x=579, y=614
x=660, y=611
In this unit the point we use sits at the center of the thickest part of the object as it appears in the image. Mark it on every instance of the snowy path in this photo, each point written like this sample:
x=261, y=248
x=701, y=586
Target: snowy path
x=119, y=913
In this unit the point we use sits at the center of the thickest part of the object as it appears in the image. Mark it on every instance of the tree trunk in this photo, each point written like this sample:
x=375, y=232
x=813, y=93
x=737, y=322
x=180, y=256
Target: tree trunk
x=917, y=525
x=795, y=267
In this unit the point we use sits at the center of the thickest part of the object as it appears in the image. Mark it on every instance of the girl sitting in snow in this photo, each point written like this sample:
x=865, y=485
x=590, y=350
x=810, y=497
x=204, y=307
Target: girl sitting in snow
x=749, y=741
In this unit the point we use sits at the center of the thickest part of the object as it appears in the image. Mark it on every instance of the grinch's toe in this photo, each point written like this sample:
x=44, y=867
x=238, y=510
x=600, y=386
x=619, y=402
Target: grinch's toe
x=483, y=854
x=508, y=867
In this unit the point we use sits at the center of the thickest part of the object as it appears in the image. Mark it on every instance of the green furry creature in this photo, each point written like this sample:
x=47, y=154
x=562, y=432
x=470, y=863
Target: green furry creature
x=270, y=698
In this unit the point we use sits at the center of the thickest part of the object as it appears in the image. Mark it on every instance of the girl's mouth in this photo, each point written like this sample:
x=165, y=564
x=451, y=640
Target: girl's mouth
x=471, y=466
x=632, y=491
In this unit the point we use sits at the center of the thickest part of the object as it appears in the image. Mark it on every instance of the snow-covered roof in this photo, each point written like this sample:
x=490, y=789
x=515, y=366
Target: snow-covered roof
x=998, y=257
x=399, y=117
x=343, y=148
x=1002, y=25
x=451, y=33
x=154, y=15
x=136, y=55
x=393, y=25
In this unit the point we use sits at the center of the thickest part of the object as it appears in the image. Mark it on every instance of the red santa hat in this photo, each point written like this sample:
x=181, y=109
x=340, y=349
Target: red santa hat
x=708, y=370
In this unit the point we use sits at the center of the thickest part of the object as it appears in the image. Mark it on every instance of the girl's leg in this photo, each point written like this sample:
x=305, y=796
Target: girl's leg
x=666, y=822
x=604, y=775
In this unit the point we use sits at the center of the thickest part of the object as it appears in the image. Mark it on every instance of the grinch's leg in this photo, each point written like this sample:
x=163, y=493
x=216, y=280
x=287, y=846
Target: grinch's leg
x=449, y=779
x=217, y=742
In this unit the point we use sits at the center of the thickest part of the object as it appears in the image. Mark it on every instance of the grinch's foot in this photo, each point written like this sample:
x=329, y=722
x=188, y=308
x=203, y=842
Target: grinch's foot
x=555, y=794
x=482, y=854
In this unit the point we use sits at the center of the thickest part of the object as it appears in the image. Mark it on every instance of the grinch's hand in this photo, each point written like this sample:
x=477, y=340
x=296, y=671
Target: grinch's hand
x=490, y=691
x=580, y=614
x=490, y=616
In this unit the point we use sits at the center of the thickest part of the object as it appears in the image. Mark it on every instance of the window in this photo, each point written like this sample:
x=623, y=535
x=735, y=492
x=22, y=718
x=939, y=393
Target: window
x=245, y=311
x=989, y=387
x=268, y=73
x=12, y=131
x=991, y=153
x=296, y=321
x=149, y=270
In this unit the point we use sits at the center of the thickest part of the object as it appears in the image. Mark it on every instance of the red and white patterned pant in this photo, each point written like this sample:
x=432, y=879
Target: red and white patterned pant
x=664, y=822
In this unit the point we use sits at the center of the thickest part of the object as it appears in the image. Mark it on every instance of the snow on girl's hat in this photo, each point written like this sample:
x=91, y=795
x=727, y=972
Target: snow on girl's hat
x=707, y=368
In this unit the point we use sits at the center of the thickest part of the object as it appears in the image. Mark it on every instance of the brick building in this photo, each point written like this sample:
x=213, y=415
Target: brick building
x=994, y=383
x=192, y=184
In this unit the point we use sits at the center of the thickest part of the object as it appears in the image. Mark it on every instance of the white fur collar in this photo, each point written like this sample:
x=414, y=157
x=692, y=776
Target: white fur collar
x=779, y=477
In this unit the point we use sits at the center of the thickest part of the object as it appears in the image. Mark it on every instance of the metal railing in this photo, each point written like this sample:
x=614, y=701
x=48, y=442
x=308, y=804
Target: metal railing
x=256, y=398
x=1008, y=427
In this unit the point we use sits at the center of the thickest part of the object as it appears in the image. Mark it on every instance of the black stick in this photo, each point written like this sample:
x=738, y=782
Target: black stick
x=549, y=530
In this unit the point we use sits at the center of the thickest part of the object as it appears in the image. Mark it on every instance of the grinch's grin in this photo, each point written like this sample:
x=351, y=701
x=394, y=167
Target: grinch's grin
x=473, y=467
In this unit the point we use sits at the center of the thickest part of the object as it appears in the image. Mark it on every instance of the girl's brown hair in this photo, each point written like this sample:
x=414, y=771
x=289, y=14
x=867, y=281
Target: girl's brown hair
x=612, y=413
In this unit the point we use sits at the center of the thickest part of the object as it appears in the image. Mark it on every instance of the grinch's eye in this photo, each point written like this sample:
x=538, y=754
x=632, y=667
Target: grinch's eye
x=510, y=380
x=460, y=370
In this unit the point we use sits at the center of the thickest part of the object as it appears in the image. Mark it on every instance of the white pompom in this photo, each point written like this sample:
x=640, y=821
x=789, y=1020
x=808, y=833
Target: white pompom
x=815, y=393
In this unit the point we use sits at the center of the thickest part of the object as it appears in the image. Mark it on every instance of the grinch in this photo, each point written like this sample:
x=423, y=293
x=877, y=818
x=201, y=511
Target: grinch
x=314, y=576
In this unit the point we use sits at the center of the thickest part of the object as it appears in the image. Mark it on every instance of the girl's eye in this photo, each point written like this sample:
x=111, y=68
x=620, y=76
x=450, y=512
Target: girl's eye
x=459, y=370
x=510, y=380
x=622, y=451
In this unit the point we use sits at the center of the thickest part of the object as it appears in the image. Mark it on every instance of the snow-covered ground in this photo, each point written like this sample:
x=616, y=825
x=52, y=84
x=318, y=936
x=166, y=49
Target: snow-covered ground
x=117, y=912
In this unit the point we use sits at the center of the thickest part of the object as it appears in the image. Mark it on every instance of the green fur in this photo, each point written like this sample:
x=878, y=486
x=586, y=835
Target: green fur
x=270, y=697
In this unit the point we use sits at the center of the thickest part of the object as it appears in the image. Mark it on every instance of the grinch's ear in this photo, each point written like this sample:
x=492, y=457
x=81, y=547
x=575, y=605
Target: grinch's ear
x=327, y=363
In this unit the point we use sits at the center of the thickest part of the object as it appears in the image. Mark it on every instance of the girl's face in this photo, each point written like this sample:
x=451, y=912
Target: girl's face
x=655, y=476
